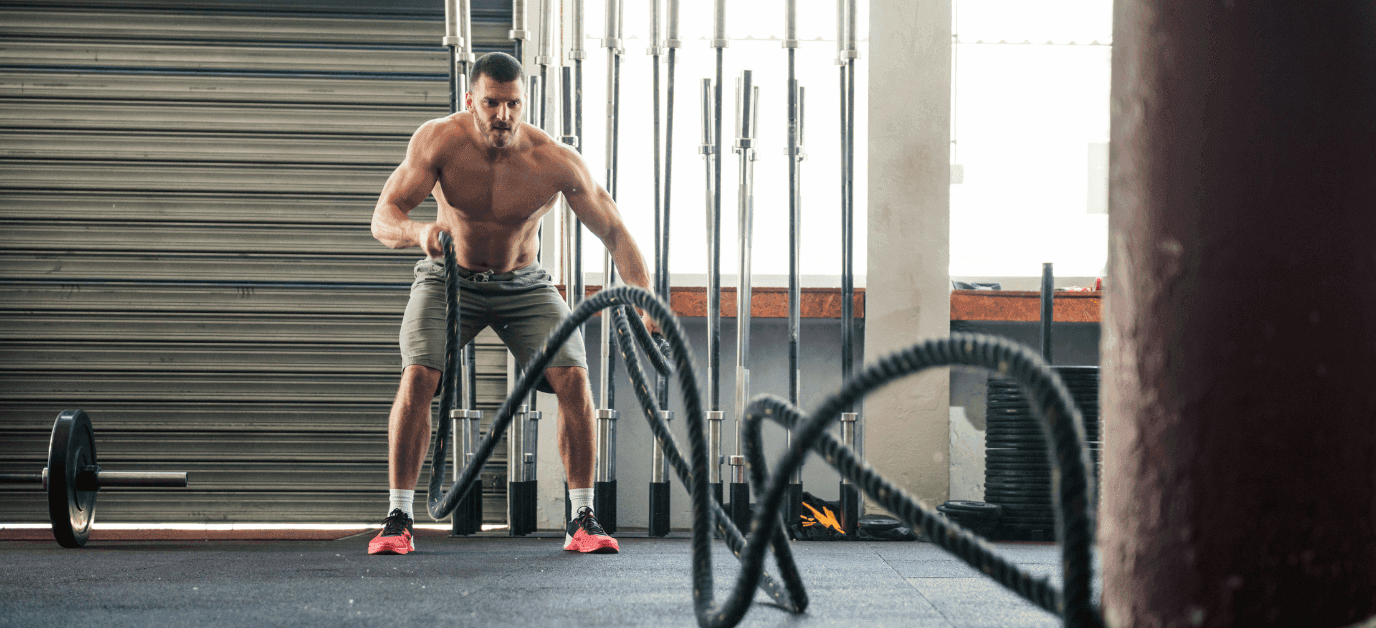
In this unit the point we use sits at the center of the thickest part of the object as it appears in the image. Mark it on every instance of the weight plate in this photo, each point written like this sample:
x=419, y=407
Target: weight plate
x=1006, y=453
x=1018, y=477
x=1017, y=500
x=71, y=449
x=1026, y=489
x=1008, y=466
x=971, y=507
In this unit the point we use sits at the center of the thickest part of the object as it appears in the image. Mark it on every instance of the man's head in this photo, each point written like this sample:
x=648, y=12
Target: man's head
x=496, y=96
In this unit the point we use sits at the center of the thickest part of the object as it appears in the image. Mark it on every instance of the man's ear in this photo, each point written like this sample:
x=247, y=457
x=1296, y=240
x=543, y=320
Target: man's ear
x=468, y=100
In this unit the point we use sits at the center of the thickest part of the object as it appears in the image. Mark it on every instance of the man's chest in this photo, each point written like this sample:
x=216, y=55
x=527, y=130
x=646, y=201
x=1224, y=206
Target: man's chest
x=506, y=191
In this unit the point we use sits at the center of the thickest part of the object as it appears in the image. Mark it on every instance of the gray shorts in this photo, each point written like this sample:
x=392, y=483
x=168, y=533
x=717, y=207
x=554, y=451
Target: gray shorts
x=522, y=306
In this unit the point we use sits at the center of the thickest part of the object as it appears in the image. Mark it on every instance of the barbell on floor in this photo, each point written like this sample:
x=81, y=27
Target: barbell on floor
x=72, y=478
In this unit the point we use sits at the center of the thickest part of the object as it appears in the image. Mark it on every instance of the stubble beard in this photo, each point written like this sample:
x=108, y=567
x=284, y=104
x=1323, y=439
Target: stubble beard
x=495, y=139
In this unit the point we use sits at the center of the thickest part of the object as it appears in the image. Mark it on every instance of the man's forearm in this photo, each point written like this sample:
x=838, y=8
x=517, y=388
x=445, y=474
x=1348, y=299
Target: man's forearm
x=393, y=228
x=629, y=262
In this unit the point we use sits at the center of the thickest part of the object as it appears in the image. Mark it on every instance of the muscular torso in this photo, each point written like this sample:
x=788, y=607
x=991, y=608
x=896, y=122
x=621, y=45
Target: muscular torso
x=491, y=201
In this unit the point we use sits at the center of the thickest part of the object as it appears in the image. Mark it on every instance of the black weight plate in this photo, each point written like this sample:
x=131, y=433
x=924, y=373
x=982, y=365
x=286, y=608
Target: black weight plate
x=1017, y=489
x=1019, y=466
x=1024, y=512
x=967, y=518
x=1019, y=500
x=1016, y=454
x=879, y=523
x=1029, y=489
x=1004, y=474
x=1007, y=500
x=1017, y=477
x=1016, y=440
x=71, y=449
x=1040, y=517
x=979, y=508
x=1002, y=440
x=1008, y=456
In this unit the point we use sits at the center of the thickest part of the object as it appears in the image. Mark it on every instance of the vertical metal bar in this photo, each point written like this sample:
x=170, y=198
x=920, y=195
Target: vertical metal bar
x=605, y=494
x=850, y=54
x=747, y=99
x=714, y=415
x=672, y=43
x=1048, y=309
x=519, y=28
x=571, y=224
x=575, y=289
x=661, y=282
x=714, y=217
x=515, y=444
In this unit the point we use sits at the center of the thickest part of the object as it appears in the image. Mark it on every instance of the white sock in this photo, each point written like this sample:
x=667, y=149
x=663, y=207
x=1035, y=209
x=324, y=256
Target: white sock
x=402, y=499
x=578, y=498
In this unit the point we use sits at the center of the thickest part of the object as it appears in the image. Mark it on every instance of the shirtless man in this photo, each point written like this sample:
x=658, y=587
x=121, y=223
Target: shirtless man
x=493, y=177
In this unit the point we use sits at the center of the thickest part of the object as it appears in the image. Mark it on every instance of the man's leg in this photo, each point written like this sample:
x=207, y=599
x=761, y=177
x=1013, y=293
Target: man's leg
x=577, y=448
x=408, y=426
x=408, y=439
x=577, y=438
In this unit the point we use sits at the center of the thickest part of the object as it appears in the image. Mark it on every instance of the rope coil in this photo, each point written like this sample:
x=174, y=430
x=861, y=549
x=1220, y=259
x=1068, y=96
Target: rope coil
x=1060, y=421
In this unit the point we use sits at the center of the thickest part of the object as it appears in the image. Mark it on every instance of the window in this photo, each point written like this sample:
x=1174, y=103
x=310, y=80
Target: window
x=1030, y=133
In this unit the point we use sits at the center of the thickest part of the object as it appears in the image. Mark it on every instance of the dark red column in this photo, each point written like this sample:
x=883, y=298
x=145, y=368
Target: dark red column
x=1240, y=323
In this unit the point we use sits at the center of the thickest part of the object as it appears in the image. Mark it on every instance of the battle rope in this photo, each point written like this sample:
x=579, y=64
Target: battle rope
x=1056, y=412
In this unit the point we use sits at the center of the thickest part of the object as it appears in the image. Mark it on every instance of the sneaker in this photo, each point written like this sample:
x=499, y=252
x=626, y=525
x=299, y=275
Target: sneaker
x=396, y=535
x=585, y=534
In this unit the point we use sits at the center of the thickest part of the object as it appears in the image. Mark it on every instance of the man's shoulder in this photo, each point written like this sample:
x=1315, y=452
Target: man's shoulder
x=447, y=127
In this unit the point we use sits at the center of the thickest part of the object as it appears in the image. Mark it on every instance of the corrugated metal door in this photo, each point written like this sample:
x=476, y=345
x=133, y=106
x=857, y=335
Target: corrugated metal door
x=185, y=197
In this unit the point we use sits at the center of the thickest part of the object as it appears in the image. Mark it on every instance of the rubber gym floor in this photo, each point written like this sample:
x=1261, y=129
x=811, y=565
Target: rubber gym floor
x=282, y=579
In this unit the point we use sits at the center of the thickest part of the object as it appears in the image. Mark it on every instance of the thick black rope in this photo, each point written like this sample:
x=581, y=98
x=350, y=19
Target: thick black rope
x=1052, y=404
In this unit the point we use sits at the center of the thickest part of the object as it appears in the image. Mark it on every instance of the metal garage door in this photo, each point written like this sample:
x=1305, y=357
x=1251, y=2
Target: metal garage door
x=185, y=197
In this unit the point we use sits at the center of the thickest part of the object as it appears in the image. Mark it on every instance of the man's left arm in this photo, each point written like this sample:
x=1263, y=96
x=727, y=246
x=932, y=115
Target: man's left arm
x=596, y=209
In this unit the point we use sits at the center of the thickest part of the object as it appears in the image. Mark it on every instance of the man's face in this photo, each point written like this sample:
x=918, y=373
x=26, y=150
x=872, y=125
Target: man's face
x=497, y=109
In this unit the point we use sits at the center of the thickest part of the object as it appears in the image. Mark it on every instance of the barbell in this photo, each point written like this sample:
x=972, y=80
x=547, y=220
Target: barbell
x=72, y=478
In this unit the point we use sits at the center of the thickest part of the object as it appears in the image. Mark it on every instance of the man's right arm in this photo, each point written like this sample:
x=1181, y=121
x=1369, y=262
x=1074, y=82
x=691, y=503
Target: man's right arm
x=409, y=184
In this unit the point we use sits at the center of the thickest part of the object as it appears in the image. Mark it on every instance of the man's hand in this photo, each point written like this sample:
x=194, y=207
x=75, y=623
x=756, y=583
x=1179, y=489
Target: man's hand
x=650, y=324
x=430, y=240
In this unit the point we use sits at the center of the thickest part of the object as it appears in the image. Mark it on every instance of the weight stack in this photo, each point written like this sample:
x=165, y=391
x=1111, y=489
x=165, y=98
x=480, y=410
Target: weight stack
x=1017, y=467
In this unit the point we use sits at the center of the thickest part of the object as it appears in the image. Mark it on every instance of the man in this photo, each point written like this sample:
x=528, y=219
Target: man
x=493, y=178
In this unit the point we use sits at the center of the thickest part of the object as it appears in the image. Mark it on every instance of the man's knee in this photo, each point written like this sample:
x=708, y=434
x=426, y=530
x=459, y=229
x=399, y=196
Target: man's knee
x=567, y=379
x=420, y=382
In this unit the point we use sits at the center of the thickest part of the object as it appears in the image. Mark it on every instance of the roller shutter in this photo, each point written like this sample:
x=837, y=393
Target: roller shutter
x=185, y=196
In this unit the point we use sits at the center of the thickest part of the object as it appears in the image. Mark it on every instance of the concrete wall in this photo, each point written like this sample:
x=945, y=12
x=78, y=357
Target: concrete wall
x=908, y=297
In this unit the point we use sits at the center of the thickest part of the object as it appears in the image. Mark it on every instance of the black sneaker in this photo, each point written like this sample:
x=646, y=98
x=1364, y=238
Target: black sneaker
x=584, y=534
x=397, y=536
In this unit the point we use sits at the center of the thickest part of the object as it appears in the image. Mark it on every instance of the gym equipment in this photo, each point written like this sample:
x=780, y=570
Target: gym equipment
x=458, y=38
x=604, y=483
x=846, y=54
x=795, y=154
x=659, y=501
x=711, y=150
x=72, y=478
x=1057, y=418
x=747, y=110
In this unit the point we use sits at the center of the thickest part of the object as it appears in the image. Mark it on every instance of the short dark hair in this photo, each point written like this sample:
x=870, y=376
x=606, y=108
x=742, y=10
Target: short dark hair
x=502, y=67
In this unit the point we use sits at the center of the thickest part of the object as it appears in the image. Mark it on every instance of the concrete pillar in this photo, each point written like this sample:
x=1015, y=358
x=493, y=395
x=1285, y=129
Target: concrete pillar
x=1240, y=326
x=907, y=296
